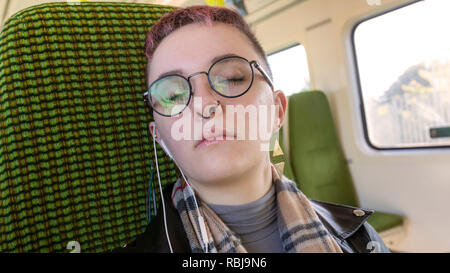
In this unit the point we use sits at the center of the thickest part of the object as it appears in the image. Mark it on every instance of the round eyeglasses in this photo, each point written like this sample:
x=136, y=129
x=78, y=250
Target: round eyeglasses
x=229, y=77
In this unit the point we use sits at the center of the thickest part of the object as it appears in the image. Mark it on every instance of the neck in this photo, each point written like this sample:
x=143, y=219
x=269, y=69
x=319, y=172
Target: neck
x=241, y=189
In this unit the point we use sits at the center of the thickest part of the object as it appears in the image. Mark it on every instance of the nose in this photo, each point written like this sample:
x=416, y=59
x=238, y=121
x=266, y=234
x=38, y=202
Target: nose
x=205, y=98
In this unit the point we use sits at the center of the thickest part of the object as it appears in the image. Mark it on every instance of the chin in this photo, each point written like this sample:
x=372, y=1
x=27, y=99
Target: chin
x=224, y=161
x=221, y=168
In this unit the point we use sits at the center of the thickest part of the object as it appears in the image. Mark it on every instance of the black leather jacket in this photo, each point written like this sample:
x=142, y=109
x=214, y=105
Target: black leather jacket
x=348, y=225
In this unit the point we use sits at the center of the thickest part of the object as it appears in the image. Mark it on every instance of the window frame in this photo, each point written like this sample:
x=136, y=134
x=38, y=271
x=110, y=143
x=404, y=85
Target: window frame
x=356, y=73
x=285, y=48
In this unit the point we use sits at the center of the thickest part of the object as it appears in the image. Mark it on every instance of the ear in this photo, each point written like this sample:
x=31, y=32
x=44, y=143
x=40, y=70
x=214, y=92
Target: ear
x=154, y=131
x=281, y=104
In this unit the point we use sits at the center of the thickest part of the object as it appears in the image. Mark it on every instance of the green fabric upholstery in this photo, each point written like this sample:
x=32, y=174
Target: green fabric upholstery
x=316, y=157
x=382, y=221
x=75, y=152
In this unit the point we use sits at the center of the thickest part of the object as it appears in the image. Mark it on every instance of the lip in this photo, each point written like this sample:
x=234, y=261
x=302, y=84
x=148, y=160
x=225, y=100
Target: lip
x=213, y=140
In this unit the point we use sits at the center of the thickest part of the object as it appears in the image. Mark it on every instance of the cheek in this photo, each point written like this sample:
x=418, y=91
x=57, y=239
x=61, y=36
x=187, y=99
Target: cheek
x=164, y=125
x=177, y=147
x=259, y=94
x=263, y=96
x=260, y=124
x=182, y=151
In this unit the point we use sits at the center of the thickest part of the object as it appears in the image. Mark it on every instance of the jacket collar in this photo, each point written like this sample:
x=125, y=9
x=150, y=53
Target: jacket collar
x=341, y=220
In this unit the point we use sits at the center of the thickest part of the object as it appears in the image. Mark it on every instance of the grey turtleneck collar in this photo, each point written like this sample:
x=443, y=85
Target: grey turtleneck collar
x=255, y=223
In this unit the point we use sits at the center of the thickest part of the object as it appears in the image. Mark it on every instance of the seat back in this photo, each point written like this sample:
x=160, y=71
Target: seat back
x=316, y=156
x=75, y=152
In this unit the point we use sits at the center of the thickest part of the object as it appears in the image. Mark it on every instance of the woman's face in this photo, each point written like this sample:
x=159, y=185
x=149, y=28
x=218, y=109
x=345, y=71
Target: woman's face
x=191, y=49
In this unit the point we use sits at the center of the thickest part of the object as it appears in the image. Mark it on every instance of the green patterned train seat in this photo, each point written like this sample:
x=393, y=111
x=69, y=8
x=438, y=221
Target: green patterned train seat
x=75, y=152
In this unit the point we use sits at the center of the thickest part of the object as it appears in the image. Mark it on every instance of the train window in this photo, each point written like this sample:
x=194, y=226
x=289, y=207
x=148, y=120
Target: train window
x=403, y=61
x=290, y=69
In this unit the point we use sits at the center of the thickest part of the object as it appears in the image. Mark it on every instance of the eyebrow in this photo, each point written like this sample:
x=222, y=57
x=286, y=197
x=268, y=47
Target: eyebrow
x=213, y=60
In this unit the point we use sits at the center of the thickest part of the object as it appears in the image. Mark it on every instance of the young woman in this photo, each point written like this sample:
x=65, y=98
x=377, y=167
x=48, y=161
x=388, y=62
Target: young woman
x=204, y=63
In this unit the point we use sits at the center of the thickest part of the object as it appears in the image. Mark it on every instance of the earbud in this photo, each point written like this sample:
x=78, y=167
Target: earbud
x=163, y=145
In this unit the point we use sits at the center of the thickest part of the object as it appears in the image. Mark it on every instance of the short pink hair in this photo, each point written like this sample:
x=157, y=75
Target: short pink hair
x=198, y=14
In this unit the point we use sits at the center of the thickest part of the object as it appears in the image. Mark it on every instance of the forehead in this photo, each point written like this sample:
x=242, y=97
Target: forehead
x=191, y=48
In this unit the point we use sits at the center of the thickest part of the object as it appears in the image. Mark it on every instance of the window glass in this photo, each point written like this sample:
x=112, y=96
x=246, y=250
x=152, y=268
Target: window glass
x=403, y=60
x=290, y=69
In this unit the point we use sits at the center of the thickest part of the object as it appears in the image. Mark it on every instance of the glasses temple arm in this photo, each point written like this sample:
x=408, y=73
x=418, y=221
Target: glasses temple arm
x=258, y=66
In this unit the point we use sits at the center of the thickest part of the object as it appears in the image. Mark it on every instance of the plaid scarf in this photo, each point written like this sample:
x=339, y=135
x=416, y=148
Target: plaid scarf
x=300, y=228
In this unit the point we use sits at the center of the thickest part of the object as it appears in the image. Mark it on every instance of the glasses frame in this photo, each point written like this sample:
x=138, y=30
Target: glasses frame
x=254, y=63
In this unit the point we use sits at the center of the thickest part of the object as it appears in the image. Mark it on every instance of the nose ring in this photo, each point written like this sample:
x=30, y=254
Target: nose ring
x=211, y=109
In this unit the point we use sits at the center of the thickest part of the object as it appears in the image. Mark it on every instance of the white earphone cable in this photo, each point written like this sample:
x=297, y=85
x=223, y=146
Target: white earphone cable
x=201, y=221
x=162, y=195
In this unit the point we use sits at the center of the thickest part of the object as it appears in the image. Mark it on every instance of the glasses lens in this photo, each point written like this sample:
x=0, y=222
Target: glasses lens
x=231, y=77
x=169, y=95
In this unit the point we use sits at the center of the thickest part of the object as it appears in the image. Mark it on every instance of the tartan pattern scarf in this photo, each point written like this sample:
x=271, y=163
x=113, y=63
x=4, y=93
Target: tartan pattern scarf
x=300, y=228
